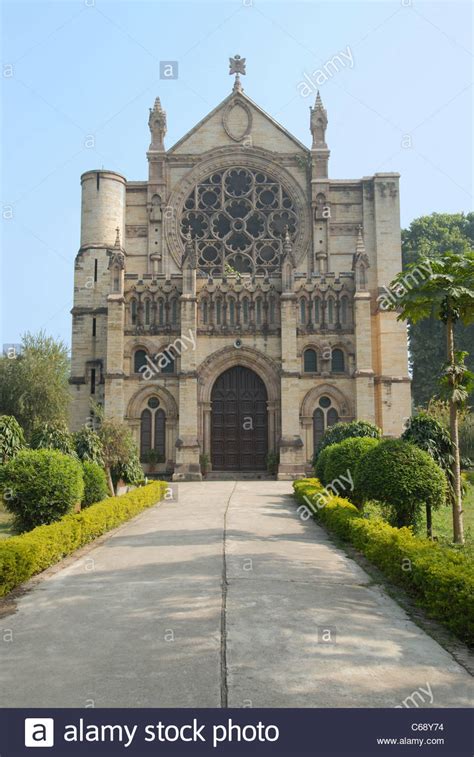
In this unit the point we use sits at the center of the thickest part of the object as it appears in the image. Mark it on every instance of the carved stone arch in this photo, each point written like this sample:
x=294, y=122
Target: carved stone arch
x=139, y=400
x=315, y=348
x=248, y=357
x=220, y=159
x=227, y=357
x=142, y=344
x=340, y=400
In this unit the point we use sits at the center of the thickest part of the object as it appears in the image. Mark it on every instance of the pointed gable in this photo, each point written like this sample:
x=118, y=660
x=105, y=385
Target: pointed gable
x=237, y=120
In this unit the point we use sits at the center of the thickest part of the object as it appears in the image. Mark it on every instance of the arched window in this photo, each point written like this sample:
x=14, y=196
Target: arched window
x=272, y=310
x=218, y=312
x=160, y=432
x=204, y=311
x=337, y=361
x=139, y=360
x=161, y=313
x=153, y=431
x=145, y=433
x=318, y=426
x=344, y=311
x=324, y=416
x=317, y=309
x=167, y=361
x=310, y=361
x=258, y=311
x=232, y=312
x=303, y=311
x=245, y=311
x=147, y=312
x=174, y=312
x=330, y=311
x=332, y=416
x=133, y=312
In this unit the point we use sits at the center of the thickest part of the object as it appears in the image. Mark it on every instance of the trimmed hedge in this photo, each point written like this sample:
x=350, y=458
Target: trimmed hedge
x=21, y=557
x=340, y=431
x=440, y=579
x=346, y=456
x=39, y=486
x=95, y=483
x=320, y=465
x=404, y=478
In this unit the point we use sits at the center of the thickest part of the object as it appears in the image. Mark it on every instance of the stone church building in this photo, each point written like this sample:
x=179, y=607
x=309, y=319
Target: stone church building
x=226, y=307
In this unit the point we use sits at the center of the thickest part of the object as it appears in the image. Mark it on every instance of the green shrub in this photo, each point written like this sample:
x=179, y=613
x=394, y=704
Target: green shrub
x=344, y=457
x=53, y=436
x=23, y=556
x=431, y=436
x=320, y=464
x=40, y=486
x=131, y=472
x=440, y=579
x=403, y=477
x=11, y=438
x=88, y=445
x=340, y=431
x=95, y=483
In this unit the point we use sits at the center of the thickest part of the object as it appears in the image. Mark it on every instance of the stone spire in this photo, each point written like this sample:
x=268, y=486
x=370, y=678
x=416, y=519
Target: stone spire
x=117, y=238
x=318, y=123
x=360, y=263
x=360, y=246
x=157, y=124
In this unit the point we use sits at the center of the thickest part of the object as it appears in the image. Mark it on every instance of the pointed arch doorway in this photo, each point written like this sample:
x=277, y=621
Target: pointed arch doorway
x=239, y=421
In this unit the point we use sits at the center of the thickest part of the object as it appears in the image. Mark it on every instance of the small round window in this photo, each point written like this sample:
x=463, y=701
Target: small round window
x=324, y=402
x=153, y=403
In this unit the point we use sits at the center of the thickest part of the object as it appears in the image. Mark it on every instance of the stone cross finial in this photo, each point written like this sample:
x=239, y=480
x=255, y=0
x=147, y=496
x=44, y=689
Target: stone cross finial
x=237, y=67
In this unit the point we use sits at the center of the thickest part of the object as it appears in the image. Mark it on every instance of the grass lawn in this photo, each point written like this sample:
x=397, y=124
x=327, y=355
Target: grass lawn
x=443, y=521
x=5, y=523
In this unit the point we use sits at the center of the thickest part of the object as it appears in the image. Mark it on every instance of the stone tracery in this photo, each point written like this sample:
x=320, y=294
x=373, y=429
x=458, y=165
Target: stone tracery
x=237, y=218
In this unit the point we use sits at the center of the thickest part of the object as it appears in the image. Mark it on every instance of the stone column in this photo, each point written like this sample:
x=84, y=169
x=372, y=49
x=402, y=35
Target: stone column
x=364, y=373
x=187, y=466
x=114, y=376
x=291, y=445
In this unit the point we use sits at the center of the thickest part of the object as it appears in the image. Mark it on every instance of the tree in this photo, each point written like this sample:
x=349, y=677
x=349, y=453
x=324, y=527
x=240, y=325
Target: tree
x=118, y=448
x=448, y=295
x=11, y=438
x=34, y=384
x=432, y=236
x=88, y=445
x=403, y=478
x=429, y=435
x=53, y=436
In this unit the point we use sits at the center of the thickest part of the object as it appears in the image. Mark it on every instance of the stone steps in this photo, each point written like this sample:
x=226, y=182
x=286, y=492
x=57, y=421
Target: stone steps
x=223, y=475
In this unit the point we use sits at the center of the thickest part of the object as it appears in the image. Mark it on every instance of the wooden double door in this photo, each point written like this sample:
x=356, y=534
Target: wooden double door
x=239, y=421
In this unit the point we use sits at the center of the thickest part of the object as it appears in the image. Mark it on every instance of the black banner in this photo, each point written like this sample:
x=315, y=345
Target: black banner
x=289, y=732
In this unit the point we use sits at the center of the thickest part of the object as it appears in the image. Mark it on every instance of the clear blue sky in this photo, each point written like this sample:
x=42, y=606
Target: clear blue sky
x=85, y=68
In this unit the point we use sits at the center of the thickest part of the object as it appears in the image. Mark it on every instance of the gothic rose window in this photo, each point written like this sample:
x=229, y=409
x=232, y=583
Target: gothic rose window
x=236, y=218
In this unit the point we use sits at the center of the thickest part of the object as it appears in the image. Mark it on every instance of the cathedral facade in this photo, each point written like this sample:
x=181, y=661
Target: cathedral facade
x=228, y=307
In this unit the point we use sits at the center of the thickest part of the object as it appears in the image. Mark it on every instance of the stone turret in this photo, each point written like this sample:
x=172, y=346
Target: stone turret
x=319, y=149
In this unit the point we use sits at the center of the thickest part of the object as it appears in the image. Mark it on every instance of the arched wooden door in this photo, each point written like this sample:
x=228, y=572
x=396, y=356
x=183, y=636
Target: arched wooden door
x=239, y=421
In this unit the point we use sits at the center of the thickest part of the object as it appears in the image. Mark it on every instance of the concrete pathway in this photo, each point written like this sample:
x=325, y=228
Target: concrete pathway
x=223, y=597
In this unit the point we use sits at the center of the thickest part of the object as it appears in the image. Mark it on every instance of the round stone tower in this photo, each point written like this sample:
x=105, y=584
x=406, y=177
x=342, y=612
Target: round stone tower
x=103, y=208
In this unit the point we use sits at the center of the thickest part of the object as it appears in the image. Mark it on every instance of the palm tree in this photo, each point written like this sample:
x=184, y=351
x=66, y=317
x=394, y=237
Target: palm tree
x=446, y=293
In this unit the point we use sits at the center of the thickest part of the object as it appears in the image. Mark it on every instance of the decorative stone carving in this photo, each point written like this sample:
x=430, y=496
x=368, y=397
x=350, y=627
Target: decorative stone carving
x=132, y=230
x=237, y=110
